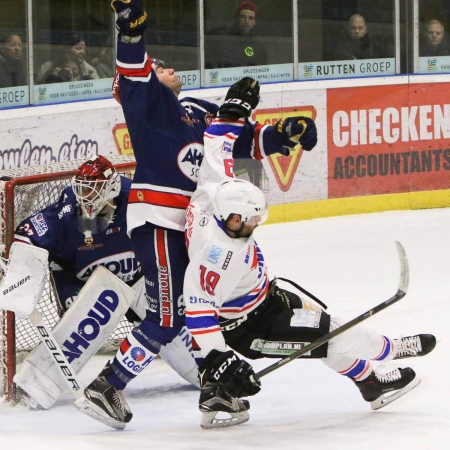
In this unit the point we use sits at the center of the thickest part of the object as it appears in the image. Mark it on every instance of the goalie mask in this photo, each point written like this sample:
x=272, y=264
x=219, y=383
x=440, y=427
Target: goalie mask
x=95, y=185
x=240, y=197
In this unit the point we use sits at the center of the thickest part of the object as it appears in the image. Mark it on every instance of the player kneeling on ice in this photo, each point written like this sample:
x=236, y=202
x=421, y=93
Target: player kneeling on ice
x=231, y=302
x=84, y=229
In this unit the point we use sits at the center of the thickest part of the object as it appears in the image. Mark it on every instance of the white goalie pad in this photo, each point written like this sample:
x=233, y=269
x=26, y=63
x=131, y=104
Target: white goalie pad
x=25, y=277
x=86, y=326
x=178, y=354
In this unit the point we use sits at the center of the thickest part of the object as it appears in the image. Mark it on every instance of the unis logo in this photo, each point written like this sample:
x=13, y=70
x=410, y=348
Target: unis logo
x=284, y=167
x=123, y=265
x=190, y=159
x=138, y=354
x=90, y=327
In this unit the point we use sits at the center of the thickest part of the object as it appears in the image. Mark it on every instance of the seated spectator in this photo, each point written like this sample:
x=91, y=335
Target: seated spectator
x=238, y=46
x=75, y=51
x=104, y=63
x=64, y=70
x=434, y=42
x=12, y=68
x=357, y=44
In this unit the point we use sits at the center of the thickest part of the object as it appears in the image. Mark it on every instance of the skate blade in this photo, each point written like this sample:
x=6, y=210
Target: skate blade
x=95, y=412
x=210, y=421
x=385, y=399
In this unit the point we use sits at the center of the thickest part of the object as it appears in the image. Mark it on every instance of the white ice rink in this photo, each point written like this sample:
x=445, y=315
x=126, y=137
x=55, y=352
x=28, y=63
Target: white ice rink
x=351, y=264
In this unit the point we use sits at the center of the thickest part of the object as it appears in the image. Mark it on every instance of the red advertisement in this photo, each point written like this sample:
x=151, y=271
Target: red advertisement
x=388, y=139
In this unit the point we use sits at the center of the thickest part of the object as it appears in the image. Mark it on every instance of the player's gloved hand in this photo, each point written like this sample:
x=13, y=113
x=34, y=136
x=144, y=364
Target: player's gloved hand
x=240, y=100
x=131, y=18
x=235, y=375
x=297, y=130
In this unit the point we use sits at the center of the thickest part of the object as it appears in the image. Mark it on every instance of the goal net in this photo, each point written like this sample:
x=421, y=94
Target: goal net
x=24, y=192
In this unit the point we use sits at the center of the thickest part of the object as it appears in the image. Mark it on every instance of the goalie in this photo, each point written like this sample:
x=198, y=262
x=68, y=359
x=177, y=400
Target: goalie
x=84, y=229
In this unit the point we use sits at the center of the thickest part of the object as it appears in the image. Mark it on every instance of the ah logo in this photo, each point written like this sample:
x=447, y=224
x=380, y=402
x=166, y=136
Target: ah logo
x=190, y=159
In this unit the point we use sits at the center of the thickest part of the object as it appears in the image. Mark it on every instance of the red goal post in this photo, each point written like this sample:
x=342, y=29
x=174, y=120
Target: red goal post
x=24, y=192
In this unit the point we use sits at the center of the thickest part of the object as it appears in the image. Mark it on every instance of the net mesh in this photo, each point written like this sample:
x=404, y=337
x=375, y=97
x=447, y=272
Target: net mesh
x=29, y=198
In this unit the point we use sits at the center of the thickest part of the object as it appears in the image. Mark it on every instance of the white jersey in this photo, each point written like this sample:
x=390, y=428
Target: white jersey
x=226, y=277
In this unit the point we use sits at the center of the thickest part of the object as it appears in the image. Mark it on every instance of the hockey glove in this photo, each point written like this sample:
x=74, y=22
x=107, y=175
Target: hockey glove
x=241, y=99
x=235, y=375
x=297, y=130
x=131, y=18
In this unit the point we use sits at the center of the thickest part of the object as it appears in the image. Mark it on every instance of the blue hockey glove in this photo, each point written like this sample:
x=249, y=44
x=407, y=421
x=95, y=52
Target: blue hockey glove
x=235, y=375
x=240, y=100
x=131, y=18
x=297, y=130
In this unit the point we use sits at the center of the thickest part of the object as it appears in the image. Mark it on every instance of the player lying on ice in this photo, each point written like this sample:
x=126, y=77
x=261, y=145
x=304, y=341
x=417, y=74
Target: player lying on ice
x=84, y=229
x=231, y=302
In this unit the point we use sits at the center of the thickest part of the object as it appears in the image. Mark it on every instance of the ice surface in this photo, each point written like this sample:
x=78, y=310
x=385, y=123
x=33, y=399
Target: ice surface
x=351, y=264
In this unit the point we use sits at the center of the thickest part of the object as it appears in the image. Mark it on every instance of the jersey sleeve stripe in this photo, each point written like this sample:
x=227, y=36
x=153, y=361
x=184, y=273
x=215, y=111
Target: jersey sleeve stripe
x=258, y=151
x=140, y=70
x=23, y=239
x=166, y=199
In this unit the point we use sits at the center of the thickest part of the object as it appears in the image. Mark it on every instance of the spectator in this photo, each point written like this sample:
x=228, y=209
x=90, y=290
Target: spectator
x=65, y=69
x=75, y=50
x=12, y=70
x=104, y=63
x=434, y=42
x=238, y=45
x=357, y=44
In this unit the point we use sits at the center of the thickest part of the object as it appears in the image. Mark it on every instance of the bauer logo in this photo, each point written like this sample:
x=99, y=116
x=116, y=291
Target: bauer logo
x=16, y=285
x=91, y=326
x=190, y=159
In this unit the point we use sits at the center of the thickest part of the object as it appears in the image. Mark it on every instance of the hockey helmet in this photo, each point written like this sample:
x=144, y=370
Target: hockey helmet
x=95, y=184
x=241, y=197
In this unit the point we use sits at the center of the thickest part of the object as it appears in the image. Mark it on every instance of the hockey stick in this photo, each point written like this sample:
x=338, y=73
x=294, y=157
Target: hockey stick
x=401, y=292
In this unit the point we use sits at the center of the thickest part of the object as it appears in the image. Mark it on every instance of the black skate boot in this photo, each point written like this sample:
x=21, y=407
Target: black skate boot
x=215, y=400
x=103, y=402
x=411, y=346
x=380, y=389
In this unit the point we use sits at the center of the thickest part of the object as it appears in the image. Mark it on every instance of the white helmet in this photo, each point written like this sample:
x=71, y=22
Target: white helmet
x=95, y=184
x=240, y=197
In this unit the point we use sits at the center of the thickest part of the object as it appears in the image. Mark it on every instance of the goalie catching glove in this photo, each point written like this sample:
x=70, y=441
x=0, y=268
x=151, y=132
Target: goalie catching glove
x=297, y=130
x=240, y=100
x=131, y=18
x=235, y=375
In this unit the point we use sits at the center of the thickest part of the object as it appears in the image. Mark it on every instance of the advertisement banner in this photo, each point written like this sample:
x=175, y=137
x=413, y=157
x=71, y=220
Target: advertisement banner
x=59, y=137
x=388, y=139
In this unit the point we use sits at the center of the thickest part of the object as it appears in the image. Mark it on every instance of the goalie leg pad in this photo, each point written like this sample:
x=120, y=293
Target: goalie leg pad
x=82, y=331
x=179, y=355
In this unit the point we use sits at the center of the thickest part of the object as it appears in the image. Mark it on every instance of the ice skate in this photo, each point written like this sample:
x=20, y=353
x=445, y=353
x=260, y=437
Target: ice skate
x=219, y=409
x=412, y=346
x=380, y=389
x=103, y=402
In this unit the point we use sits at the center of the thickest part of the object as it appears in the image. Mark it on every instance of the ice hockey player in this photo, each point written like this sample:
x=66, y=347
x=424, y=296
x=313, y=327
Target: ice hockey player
x=231, y=302
x=86, y=228
x=167, y=138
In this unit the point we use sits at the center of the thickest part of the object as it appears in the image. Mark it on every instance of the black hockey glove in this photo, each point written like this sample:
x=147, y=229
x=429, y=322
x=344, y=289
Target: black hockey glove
x=131, y=18
x=297, y=130
x=241, y=99
x=235, y=375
